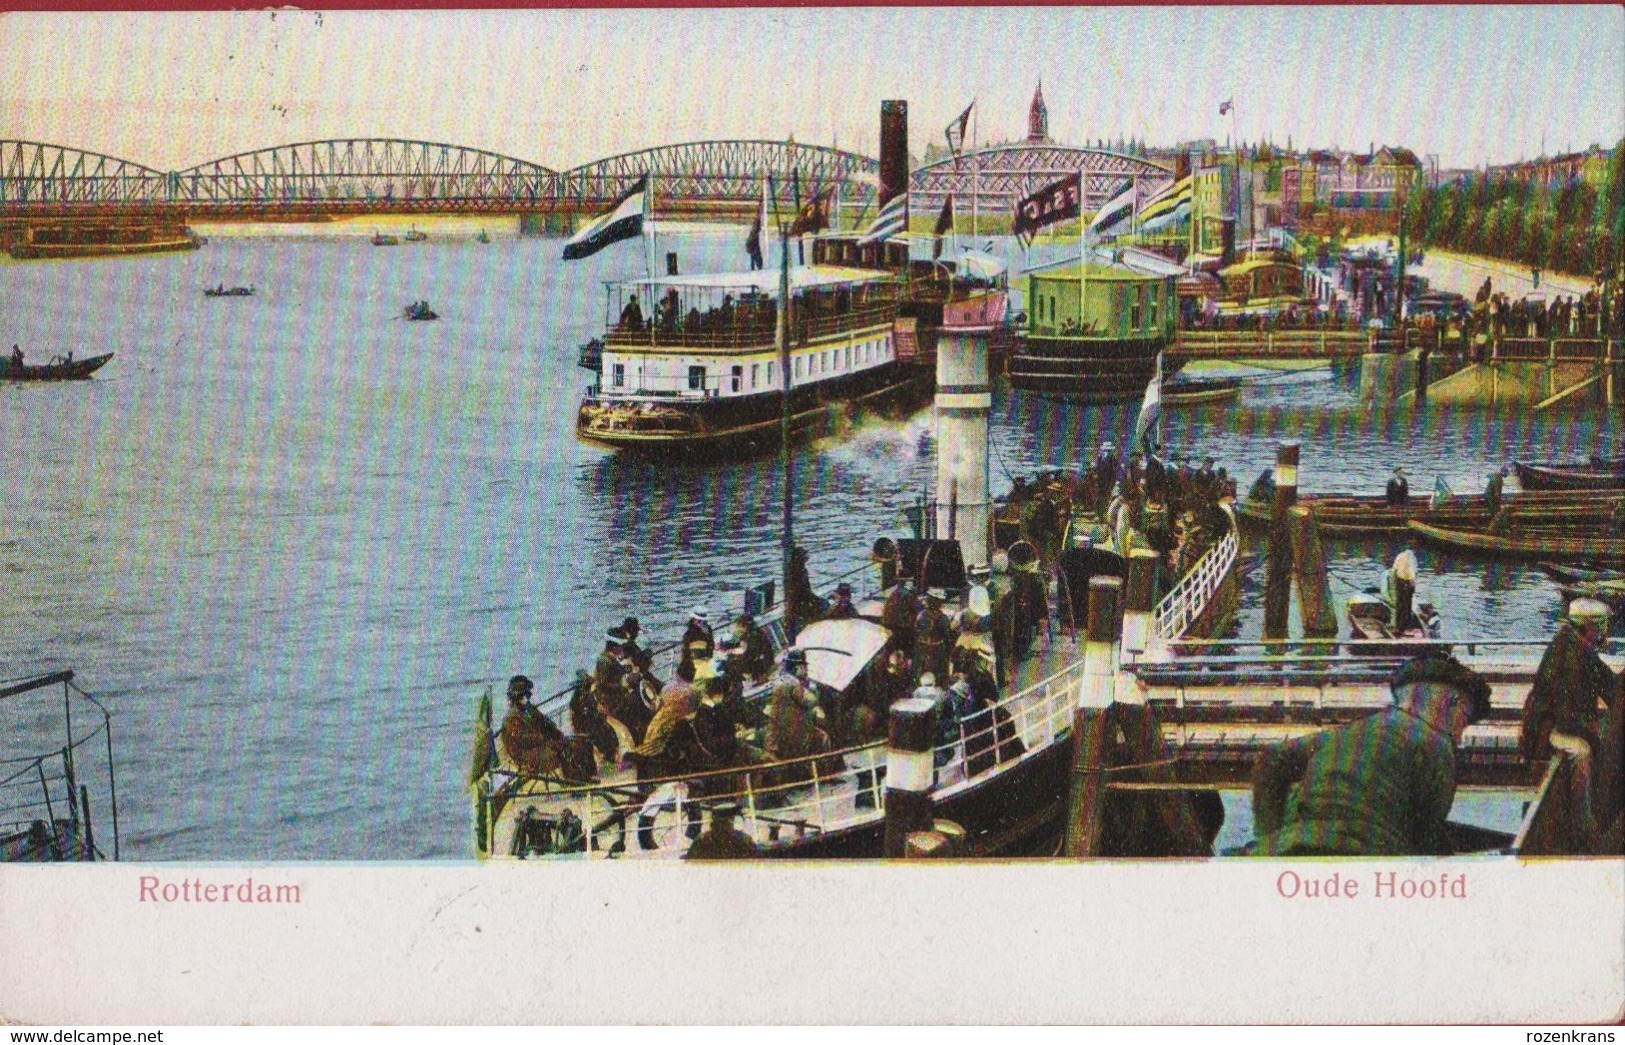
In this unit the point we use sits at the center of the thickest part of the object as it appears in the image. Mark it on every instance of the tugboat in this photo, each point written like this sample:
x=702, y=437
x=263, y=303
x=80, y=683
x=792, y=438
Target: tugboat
x=419, y=312
x=414, y=236
x=56, y=781
x=1107, y=351
x=381, y=239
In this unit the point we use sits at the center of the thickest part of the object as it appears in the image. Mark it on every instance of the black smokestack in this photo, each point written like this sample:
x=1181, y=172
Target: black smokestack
x=893, y=150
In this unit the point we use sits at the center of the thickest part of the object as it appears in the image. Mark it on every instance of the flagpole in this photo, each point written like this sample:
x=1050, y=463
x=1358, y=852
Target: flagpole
x=975, y=171
x=648, y=223
x=1083, y=254
x=786, y=462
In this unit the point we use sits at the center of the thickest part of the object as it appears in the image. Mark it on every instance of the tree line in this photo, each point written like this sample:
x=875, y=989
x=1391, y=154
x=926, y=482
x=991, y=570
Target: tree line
x=1577, y=227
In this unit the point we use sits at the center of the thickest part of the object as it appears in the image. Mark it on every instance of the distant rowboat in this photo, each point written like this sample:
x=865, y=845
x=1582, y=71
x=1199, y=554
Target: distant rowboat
x=1531, y=543
x=58, y=369
x=1599, y=475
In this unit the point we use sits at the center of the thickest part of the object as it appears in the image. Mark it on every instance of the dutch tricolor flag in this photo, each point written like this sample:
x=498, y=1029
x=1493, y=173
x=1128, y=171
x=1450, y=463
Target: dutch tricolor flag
x=1119, y=208
x=623, y=221
x=892, y=220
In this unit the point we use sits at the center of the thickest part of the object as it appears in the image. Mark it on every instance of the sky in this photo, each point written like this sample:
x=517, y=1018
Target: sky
x=1469, y=84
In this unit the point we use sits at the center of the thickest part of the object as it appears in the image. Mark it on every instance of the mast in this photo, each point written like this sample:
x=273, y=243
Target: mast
x=975, y=173
x=786, y=462
x=1083, y=255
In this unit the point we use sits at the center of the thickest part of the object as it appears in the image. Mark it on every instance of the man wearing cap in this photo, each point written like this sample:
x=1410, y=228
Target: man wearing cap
x=900, y=613
x=617, y=686
x=1380, y=786
x=722, y=840
x=534, y=744
x=1573, y=689
x=841, y=607
x=933, y=635
x=795, y=722
x=1399, y=491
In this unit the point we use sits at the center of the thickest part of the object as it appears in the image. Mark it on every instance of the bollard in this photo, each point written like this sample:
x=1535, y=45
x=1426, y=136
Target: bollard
x=1142, y=571
x=1319, y=616
x=1086, y=798
x=925, y=845
x=957, y=837
x=1278, y=554
x=909, y=772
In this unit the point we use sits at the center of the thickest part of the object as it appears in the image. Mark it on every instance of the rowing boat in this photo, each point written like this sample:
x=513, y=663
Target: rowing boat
x=1594, y=475
x=1527, y=543
x=58, y=369
x=1579, y=574
x=1349, y=516
x=1200, y=393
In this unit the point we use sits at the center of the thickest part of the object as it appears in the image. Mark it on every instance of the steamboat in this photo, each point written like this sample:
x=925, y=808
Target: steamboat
x=95, y=240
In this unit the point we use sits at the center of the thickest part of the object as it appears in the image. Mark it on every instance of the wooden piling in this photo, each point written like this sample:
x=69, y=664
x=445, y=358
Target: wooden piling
x=1278, y=556
x=1087, y=794
x=1319, y=616
x=910, y=731
x=1137, y=592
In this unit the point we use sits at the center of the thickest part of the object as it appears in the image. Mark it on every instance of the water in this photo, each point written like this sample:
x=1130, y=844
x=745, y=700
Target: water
x=291, y=538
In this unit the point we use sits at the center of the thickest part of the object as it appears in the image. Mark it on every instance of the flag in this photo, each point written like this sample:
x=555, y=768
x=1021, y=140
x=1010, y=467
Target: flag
x=893, y=218
x=1225, y=106
x=1145, y=426
x=1119, y=208
x=1442, y=494
x=1056, y=201
x=955, y=131
x=813, y=215
x=753, y=245
x=945, y=224
x=1166, y=199
x=624, y=220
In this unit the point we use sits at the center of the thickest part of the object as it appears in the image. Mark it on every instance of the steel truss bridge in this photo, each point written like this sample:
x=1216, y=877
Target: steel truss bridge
x=388, y=175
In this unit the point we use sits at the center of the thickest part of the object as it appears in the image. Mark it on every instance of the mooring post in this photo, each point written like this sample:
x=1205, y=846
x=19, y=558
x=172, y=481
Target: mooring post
x=909, y=772
x=1087, y=795
x=1278, y=555
x=1142, y=570
x=1319, y=617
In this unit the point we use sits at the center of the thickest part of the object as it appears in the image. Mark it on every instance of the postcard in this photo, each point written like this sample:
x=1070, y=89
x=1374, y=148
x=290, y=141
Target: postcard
x=808, y=503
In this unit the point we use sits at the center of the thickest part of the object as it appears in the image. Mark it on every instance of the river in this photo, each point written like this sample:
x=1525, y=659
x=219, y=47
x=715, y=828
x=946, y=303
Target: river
x=291, y=538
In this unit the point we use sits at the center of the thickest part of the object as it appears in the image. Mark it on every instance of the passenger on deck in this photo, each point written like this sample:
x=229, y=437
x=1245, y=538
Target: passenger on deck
x=933, y=636
x=1380, y=786
x=632, y=316
x=1399, y=491
x=801, y=606
x=1573, y=694
x=756, y=653
x=841, y=608
x=618, y=686
x=722, y=840
x=534, y=743
x=900, y=615
x=1492, y=490
x=676, y=706
x=636, y=655
x=699, y=627
x=1399, y=591
x=1030, y=595
x=795, y=723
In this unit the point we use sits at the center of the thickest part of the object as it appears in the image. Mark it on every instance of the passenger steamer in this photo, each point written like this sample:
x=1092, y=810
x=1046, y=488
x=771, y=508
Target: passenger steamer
x=700, y=371
x=1003, y=777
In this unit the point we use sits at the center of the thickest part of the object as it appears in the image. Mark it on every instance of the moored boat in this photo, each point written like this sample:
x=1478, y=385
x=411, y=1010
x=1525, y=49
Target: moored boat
x=414, y=236
x=1527, y=542
x=1194, y=392
x=383, y=239
x=702, y=374
x=419, y=312
x=1106, y=350
x=1343, y=515
x=91, y=239
x=60, y=368
x=1596, y=474
x=223, y=291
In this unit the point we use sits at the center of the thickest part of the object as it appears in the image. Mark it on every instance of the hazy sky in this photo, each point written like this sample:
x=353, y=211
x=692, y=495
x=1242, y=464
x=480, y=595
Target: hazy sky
x=564, y=87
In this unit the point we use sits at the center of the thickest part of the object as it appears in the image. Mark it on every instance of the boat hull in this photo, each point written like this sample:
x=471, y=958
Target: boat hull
x=740, y=425
x=1524, y=546
x=64, y=251
x=1091, y=370
x=78, y=370
x=1552, y=477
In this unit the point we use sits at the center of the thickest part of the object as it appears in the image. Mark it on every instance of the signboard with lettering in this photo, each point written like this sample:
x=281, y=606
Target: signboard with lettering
x=1057, y=201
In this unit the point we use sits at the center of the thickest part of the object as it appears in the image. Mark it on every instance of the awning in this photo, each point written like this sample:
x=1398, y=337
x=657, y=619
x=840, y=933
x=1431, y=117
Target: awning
x=838, y=650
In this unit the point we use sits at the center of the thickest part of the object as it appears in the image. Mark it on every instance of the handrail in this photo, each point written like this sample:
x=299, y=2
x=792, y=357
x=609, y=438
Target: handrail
x=1191, y=595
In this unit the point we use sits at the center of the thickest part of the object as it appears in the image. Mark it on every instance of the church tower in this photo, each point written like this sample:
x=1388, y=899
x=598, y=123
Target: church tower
x=1038, y=118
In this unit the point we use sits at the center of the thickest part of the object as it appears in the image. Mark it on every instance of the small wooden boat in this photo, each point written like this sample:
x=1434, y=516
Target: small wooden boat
x=1596, y=474
x=1610, y=592
x=414, y=236
x=1371, y=617
x=380, y=239
x=1341, y=515
x=1200, y=393
x=1580, y=573
x=419, y=311
x=58, y=369
x=482, y=237
x=228, y=292
x=1527, y=542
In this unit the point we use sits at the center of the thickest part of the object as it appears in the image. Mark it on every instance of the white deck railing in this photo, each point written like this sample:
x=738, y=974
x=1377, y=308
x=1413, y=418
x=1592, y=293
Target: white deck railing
x=1195, y=591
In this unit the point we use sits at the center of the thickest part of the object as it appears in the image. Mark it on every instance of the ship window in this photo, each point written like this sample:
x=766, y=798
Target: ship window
x=799, y=360
x=771, y=367
x=1136, y=309
x=738, y=376
x=755, y=374
x=849, y=357
x=696, y=377
x=1153, y=308
x=618, y=375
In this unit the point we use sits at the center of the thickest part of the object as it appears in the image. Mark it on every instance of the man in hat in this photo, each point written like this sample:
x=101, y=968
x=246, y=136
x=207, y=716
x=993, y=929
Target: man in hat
x=841, y=608
x=933, y=635
x=795, y=722
x=1573, y=688
x=1380, y=786
x=900, y=613
x=636, y=655
x=1493, y=489
x=722, y=840
x=755, y=652
x=534, y=744
x=699, y=628
x=617, y=686
x=1399, y=491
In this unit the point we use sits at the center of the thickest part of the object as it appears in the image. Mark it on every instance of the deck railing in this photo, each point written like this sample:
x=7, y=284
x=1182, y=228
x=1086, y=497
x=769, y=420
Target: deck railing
x=1195, y=591
x=45, y=799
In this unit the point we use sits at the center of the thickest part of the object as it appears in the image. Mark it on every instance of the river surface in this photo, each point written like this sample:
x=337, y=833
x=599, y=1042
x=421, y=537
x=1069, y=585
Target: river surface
x=291, y=538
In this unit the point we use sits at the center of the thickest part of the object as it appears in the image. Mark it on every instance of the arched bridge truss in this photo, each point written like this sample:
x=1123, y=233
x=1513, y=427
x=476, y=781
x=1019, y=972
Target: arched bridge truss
x=998, y=177
x=723, y=172
x=39, y=174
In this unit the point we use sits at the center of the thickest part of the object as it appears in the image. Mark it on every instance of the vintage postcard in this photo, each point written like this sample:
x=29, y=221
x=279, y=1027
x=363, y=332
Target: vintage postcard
x=1132, y=498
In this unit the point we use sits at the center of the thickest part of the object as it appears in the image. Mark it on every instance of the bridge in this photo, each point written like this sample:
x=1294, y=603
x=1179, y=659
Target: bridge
x=395, y=175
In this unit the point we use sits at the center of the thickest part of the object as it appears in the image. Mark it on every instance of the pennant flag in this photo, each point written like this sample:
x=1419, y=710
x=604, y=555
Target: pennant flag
x=753, y=245
x=955, y=131
x=945, y=224
x=893, y=218
x=1442, y=494
x=1056, y=201
x=813, y=215
x=1225, y=106
x=1145, y=425
x=1166, y=199
x=1180, y=212
x=1119, y=208
x=623, y=221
